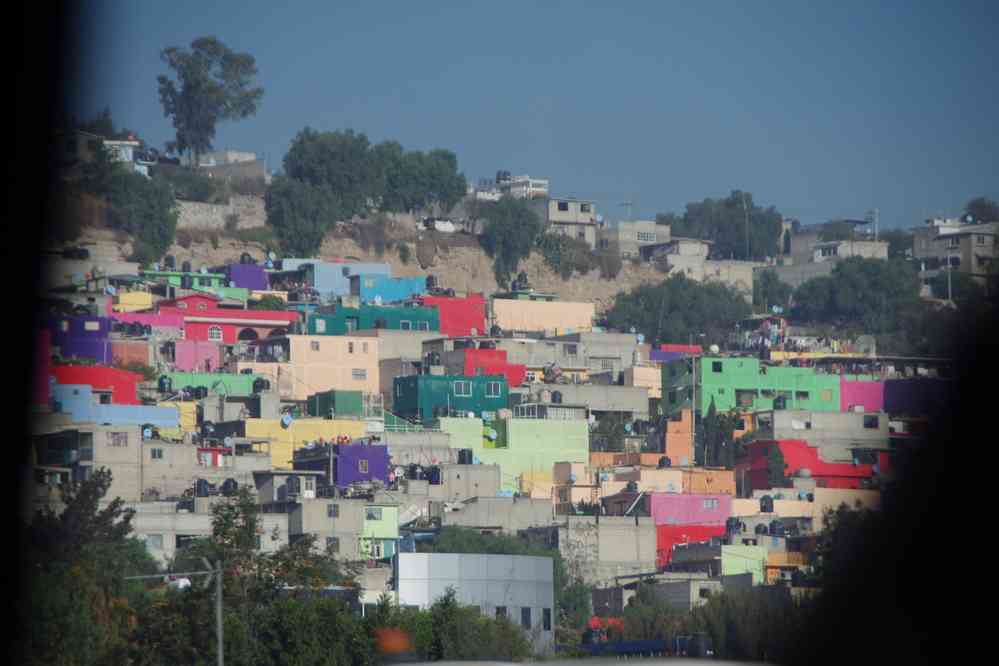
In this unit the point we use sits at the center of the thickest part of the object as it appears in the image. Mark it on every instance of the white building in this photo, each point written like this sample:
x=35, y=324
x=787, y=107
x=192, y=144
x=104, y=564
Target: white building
x=524, y=187
x=521, y=587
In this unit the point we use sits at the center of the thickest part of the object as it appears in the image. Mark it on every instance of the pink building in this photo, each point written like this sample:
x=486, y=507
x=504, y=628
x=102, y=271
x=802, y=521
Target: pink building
x=197, y=355
x=870, y=394
x=43, y=368
x=174, y=321
x=690, y=509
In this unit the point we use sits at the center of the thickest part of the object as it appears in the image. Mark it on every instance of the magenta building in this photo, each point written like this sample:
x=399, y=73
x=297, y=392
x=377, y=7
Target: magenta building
x=690, y=509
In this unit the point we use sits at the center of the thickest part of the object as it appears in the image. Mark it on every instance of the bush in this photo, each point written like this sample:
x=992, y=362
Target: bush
x=231, y=222
x=214, y=238
x=145, y=209
x=510, y=233
x=566, y=255
x=609, y=261
x=372, y=234
x=404, y=253
x=184, y=238
x=250, y=186
x=426, y=252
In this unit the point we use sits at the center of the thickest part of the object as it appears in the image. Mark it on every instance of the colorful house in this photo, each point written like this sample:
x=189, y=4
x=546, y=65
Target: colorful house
x=245, y=276
x=380, y=535
x=332, y=278
x=344, y=320
x=471, y=362
x=459, y=316
x=374, y=288
x=205, y=319
x=426, y=397
x=746, y=384
x=111, y=386
x=516, y=312
x=222, y=383
x=670, y=536
x=345, y=464
x=690, y=509
x=798, y=455
x=286, y=439
x=186, y=279
x=79, y=402
x=196, y=355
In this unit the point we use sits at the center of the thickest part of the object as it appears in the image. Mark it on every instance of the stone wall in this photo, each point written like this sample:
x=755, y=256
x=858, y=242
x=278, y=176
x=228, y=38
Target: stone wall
x=197, y=215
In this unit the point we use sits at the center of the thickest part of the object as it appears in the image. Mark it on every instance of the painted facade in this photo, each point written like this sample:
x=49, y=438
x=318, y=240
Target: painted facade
x=868, y=394
x=303, y=365
x=374, y=288
x=78, y=401
x=670, y=536
x=223, y=383
x=285, y=440
x=559, y=317
x=345, y=320
x=205, y=320
x=197, y=355
x=332, y=279
x=120, y=386
x=380, y=534
x=798, y=455
x=459, y=316
x=690, y=509
x=426, y=397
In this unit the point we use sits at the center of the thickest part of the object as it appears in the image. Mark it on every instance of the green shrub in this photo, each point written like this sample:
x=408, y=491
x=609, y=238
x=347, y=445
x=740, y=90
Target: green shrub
x=144, y=208
x=189, y=185
x=404, y=253
x=214, y=238
x=231, y=222
x=566, y=255
x=184, y=238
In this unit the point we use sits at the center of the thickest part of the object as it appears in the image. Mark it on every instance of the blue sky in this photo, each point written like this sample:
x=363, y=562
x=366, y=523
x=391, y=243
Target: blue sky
x=820, y=109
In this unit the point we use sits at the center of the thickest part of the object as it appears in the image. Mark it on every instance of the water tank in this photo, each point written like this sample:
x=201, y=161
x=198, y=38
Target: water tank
x=246, y=371
x=420, y=475
x=435, y=358
x=293, y=485
x=462, y=344
x=229, y=487
x=776, y=528
x=546, y=395
x=804, y=473
x=431, y=282
x=169, y=262
x=186, y=282
x=761, y=529
x=631, y=487
x=207, y=428
x=245, y=258
x=286, y=420
x=464, y=456
x=411, y=471
x=147, y=329
x=260, y=385
x=147, y=431
x=664, y=462
x=201, y=488
x=487, y=344
x=766, y=504
x=435, y=476
x=810, y=497
x=556, y=397
x=185, y=267
x=165, y=384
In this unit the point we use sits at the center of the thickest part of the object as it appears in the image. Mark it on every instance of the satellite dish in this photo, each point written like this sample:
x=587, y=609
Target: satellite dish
x=156, y=267
x=713, y=349
x=204, y=270
x=492, y=434
x=286, y=421
x=228, y=442
x=632, y=329
x=471, y=415
x=272, y=256
x=232, y=283
x=627, y=427
x=147, y=433
x=641, y=338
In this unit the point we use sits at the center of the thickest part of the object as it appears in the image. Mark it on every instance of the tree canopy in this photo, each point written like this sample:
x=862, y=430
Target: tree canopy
x=768, y=290
x=509, y=235
x=982, y=210
x=301, y=214
x=723, y=221
x=213, y=84
x=679, y=310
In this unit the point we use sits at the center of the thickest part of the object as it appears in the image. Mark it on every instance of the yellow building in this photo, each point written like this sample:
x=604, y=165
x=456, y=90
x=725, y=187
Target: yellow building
x=648, y=376
x=188, y=423
x=132, y=301
x=561, y=317
x=285, y=441
x=303, y=365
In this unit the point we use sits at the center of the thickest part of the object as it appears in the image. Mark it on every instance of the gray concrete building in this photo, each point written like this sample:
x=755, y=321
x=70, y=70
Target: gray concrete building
x=169, y=468
x=629, y=402
x=494, y=514
x=837, y=435
x=630, y=236
x=519, y=587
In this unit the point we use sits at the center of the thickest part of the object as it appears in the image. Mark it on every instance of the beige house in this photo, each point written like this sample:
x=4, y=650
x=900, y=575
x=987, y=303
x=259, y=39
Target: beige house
x=646, y=376
x=574, y=218
x=630, y=237
x=556, y=317
x=302, y=365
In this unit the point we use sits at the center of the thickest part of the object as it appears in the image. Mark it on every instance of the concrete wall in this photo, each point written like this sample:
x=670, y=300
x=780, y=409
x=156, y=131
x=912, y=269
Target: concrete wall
x=835, y=434
x=648, y=377
x=197, y=215
x=630, y=399
x=178, y=467
x=507, y=514
x=598, y=551
x=284, y=441
x=423, y=448
x=798, y=274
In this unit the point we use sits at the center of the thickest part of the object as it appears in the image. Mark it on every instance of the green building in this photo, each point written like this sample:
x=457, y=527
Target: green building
x=216, y=382
x=344, y=320
x=744, y=384
x=234, y=293
x=380, y=534
x=525, y=449
x=335, y=404
x=426, y=397
x=744, y=559
x=176, y=278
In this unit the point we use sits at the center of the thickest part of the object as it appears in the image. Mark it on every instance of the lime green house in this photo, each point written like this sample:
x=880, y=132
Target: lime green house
x=216, y=382
x=746, y=385
x=380, y=533
x=525, y=449
x=744, y=559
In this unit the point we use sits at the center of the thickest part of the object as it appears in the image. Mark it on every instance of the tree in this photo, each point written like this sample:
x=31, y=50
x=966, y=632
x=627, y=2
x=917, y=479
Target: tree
x=776, y=467
x=679, y=310
x=724, y=222
x=715, y=445
x=837, y=230
x=509, y=235
x=982, y=210
x=966, y=292
x=899, y=242
x=301, y=214
x=340, y=162
x=213, y=84
x=268, y=302
x=144, y=208
x=768, y=290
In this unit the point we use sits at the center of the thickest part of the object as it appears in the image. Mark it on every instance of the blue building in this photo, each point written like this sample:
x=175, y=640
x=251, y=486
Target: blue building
x=384, y=289
x=332, y=279
x=77, y=400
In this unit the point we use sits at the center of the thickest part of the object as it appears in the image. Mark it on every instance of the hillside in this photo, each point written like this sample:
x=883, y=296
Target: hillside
x=457, y=261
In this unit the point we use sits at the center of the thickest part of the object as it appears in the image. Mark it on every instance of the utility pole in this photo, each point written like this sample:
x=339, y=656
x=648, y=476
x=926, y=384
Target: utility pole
x=745, y=212
x=209, y=571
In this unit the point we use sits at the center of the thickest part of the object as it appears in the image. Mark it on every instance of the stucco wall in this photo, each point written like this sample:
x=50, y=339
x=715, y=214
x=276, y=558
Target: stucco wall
x=559, y=316
x=197, y=215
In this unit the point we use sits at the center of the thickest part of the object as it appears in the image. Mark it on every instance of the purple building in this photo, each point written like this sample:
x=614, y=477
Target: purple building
x=95, y=349
x=78, y=327
x=345, y=464
x=247, y=276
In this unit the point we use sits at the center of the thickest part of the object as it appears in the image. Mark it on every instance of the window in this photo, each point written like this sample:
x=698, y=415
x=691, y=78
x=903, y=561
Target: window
x=716, y=366
x=584, y=208
x=672, y=397
x=704, y=592
x=500, y=611
x=741, y=425
x=398, y=390
x=364, y=347
x=314, y=345
x=405, y=325
x=362, y=466
x=826, y=395
x=369, y=284
x=359, y=373
x=563, y=205
x=463, y=389
x=333, y=511
x=646, y=237
x=156, y=454
x=118, y=439
x=91, y=326
x=493, y=389
x=871, y=421
x=333, y=544
x=801, y=395
x=423, y=325
x=980, y=240
x=373, y=513
x=350, y=347
x=607, y=364
x=525, y=618
x=710, y=504
x=546, y=618
x=154, y=541
x=581, y=235
x=530, y=376
x=570, y=350
x=64, y=326
x=214, y=333
x=182, y=305
x=320, y=325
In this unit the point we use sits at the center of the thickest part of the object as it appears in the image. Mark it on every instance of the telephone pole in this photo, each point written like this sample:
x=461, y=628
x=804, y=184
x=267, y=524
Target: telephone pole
x=745, y=211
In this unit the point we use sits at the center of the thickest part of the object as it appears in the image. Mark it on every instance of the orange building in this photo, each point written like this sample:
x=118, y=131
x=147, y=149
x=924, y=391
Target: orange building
x=679, y=444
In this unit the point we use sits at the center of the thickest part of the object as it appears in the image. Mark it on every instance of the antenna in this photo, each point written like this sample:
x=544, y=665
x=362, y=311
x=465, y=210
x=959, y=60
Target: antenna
x=628, y=204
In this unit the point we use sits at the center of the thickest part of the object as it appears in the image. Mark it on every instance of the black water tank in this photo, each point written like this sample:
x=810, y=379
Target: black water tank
x=260, y=385
x=147, y=329
x=246, y=371
x=776, y=528
x=165, y=384
x=229, y=487
x=185, y=267
x=761, y=529
x=631, y=487
x=464, y=456
x=420, y=474
x=487, y=344
x=435, y=476
x=431, y=282
x=207, y=428
x=411, y=471
x=245, y=258
x=201, y=488
x=766, y=504
x=435, y=358
x=664, y=461
x=169, y=262
x=186, y=282
x=449, y=292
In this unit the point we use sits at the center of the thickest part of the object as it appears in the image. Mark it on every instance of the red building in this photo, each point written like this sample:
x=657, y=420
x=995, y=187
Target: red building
x=205, y=319
x=43, y=367
x=800, y=454
x=683, y=349
x=493, y=362
x=459, y=316
x=668, y=536
x=114, y=386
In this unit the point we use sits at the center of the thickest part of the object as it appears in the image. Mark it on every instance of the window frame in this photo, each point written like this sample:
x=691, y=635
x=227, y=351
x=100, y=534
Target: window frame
x=454, y=388
x=215, y=334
